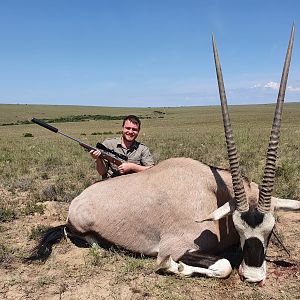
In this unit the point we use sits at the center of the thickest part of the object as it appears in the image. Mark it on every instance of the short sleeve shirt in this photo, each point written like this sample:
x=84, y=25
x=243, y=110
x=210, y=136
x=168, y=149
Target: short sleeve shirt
x=138, y=153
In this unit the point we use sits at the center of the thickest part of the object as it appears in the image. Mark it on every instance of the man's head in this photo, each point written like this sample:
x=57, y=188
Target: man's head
x=131, y=128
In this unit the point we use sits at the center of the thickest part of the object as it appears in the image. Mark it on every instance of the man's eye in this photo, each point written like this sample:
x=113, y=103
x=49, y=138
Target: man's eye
x=129, y=128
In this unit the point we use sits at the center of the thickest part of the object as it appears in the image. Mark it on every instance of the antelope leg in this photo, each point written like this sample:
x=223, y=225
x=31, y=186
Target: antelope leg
x=220, y=269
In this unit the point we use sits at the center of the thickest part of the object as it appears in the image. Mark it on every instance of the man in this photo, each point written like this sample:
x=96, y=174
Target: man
x=139, y=156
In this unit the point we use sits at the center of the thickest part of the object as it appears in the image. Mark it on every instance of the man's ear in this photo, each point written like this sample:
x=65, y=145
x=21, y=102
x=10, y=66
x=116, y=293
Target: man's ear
x=221, y=212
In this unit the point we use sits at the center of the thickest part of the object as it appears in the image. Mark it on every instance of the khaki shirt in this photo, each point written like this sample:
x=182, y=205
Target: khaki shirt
x=138, y=153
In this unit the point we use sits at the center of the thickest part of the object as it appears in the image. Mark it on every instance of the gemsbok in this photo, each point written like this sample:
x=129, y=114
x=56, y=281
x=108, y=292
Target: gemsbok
x=190, y=215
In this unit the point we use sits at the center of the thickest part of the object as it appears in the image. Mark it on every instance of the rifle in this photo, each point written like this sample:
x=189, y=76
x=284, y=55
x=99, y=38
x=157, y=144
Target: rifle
x=108, y=154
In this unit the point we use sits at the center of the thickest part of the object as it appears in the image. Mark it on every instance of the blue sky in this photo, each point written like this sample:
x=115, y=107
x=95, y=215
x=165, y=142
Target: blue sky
x=145, y=52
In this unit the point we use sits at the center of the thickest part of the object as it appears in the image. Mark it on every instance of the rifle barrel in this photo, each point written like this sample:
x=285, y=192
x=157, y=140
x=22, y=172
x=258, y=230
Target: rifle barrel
x=55, y=130
x=45, y=125
x=115, y=158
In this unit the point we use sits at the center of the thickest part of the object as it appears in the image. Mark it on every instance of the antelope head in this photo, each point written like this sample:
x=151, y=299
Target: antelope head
x=254, y=222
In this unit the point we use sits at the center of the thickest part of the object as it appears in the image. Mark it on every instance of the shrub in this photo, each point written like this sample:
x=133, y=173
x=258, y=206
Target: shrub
x=28, y=134
x=32, y=208
x=5, y=254
x=48, y=193
x=7, y=214
x=37, y=231
x=94, y=257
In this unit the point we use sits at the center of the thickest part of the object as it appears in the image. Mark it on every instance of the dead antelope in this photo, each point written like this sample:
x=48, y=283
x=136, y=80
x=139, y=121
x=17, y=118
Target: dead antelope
x=176, y=210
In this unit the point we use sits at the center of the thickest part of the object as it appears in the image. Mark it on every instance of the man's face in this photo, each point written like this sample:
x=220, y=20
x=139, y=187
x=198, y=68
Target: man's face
x=130, y=131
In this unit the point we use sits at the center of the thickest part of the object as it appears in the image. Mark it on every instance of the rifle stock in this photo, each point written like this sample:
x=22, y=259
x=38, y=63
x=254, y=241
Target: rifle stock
x=109, y=155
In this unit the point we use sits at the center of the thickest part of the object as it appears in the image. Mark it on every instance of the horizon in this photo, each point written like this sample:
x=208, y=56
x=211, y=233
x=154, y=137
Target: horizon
x=143, y=107
x=146, y=54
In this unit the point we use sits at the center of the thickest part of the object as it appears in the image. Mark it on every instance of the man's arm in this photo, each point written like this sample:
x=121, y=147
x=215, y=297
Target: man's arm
x=132, y=167
x=147, y=158
x=101, y=166
x=147, y=162
x=126, y=167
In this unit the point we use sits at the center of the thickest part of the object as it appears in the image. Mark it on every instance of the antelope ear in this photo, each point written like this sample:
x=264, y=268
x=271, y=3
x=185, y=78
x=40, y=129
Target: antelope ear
x=221, y=212
x=286, y=204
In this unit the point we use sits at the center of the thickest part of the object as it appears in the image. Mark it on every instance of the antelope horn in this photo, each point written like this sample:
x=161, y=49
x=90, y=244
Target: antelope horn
x=237, y=182
x=264, y=201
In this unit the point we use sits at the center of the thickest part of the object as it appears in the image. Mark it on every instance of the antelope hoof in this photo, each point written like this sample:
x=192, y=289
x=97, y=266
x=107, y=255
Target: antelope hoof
x=168, y=265
x=221, y=269
x=185, y=270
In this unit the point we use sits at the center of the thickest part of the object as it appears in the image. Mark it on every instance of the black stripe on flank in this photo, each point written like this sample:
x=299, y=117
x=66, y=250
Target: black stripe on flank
x=205, y=260
x=198, y=259
x=253, y=252
x=253, y=217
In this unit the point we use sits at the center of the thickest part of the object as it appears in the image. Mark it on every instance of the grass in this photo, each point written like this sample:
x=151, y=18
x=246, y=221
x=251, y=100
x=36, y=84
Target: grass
x=32, y=208
x=50, y=167
x=37, y=231
x=6, y=255
x=37, y=166
x=7, y=213
x=95, y=256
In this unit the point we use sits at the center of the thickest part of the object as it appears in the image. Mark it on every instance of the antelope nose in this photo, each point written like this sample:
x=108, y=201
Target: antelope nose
x=242, y=277
x=241, y=273
x=261, y=283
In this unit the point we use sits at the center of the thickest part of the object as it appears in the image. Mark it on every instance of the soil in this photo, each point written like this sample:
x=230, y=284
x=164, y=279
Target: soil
x=85, y=273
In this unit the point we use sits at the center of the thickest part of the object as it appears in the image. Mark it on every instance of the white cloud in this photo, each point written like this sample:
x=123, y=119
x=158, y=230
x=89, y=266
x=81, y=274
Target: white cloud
x=275, y=86
x=293, y=89
x=272, y=85
x=258, y=85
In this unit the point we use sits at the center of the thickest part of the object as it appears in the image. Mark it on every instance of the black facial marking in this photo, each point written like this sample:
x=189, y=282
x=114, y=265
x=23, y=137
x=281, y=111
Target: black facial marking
x=199, y=259
x=253, y=217
x=253, y=252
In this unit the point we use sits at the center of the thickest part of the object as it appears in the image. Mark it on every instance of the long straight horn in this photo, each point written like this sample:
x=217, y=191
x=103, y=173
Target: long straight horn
x=264, y=201
x=237, y=182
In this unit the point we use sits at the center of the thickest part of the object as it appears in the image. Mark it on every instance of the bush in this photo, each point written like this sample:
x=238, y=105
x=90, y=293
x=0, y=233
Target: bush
x=5, y=254
x=37, y=232
x=32, y=208
x=28, y=134
x=7, y=214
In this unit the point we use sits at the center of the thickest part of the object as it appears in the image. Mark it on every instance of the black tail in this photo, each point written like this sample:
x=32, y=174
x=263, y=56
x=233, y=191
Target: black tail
x=44, y=248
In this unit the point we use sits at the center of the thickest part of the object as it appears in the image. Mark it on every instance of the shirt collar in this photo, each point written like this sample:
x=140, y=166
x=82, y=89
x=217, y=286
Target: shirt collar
x=119, y=142
x=134, y=146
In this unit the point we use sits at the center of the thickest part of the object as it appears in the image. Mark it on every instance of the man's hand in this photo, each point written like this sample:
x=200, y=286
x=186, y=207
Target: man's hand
x=131, y=167
x=126, y=167
x=95, y=154
x=101, y=166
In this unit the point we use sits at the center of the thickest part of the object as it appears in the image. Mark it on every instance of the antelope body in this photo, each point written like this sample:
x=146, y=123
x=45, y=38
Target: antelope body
x=186, y=213
x=154, y=212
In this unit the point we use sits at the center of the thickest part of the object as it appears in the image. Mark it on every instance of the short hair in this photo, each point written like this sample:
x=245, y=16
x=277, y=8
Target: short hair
x=133, y=119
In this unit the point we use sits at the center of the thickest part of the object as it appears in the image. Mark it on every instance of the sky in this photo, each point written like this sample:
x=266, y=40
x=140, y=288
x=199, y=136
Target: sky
x=145, y=53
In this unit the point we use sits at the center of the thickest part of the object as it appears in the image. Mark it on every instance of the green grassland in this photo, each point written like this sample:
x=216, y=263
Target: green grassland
x=38, y=166
x=32, y=156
